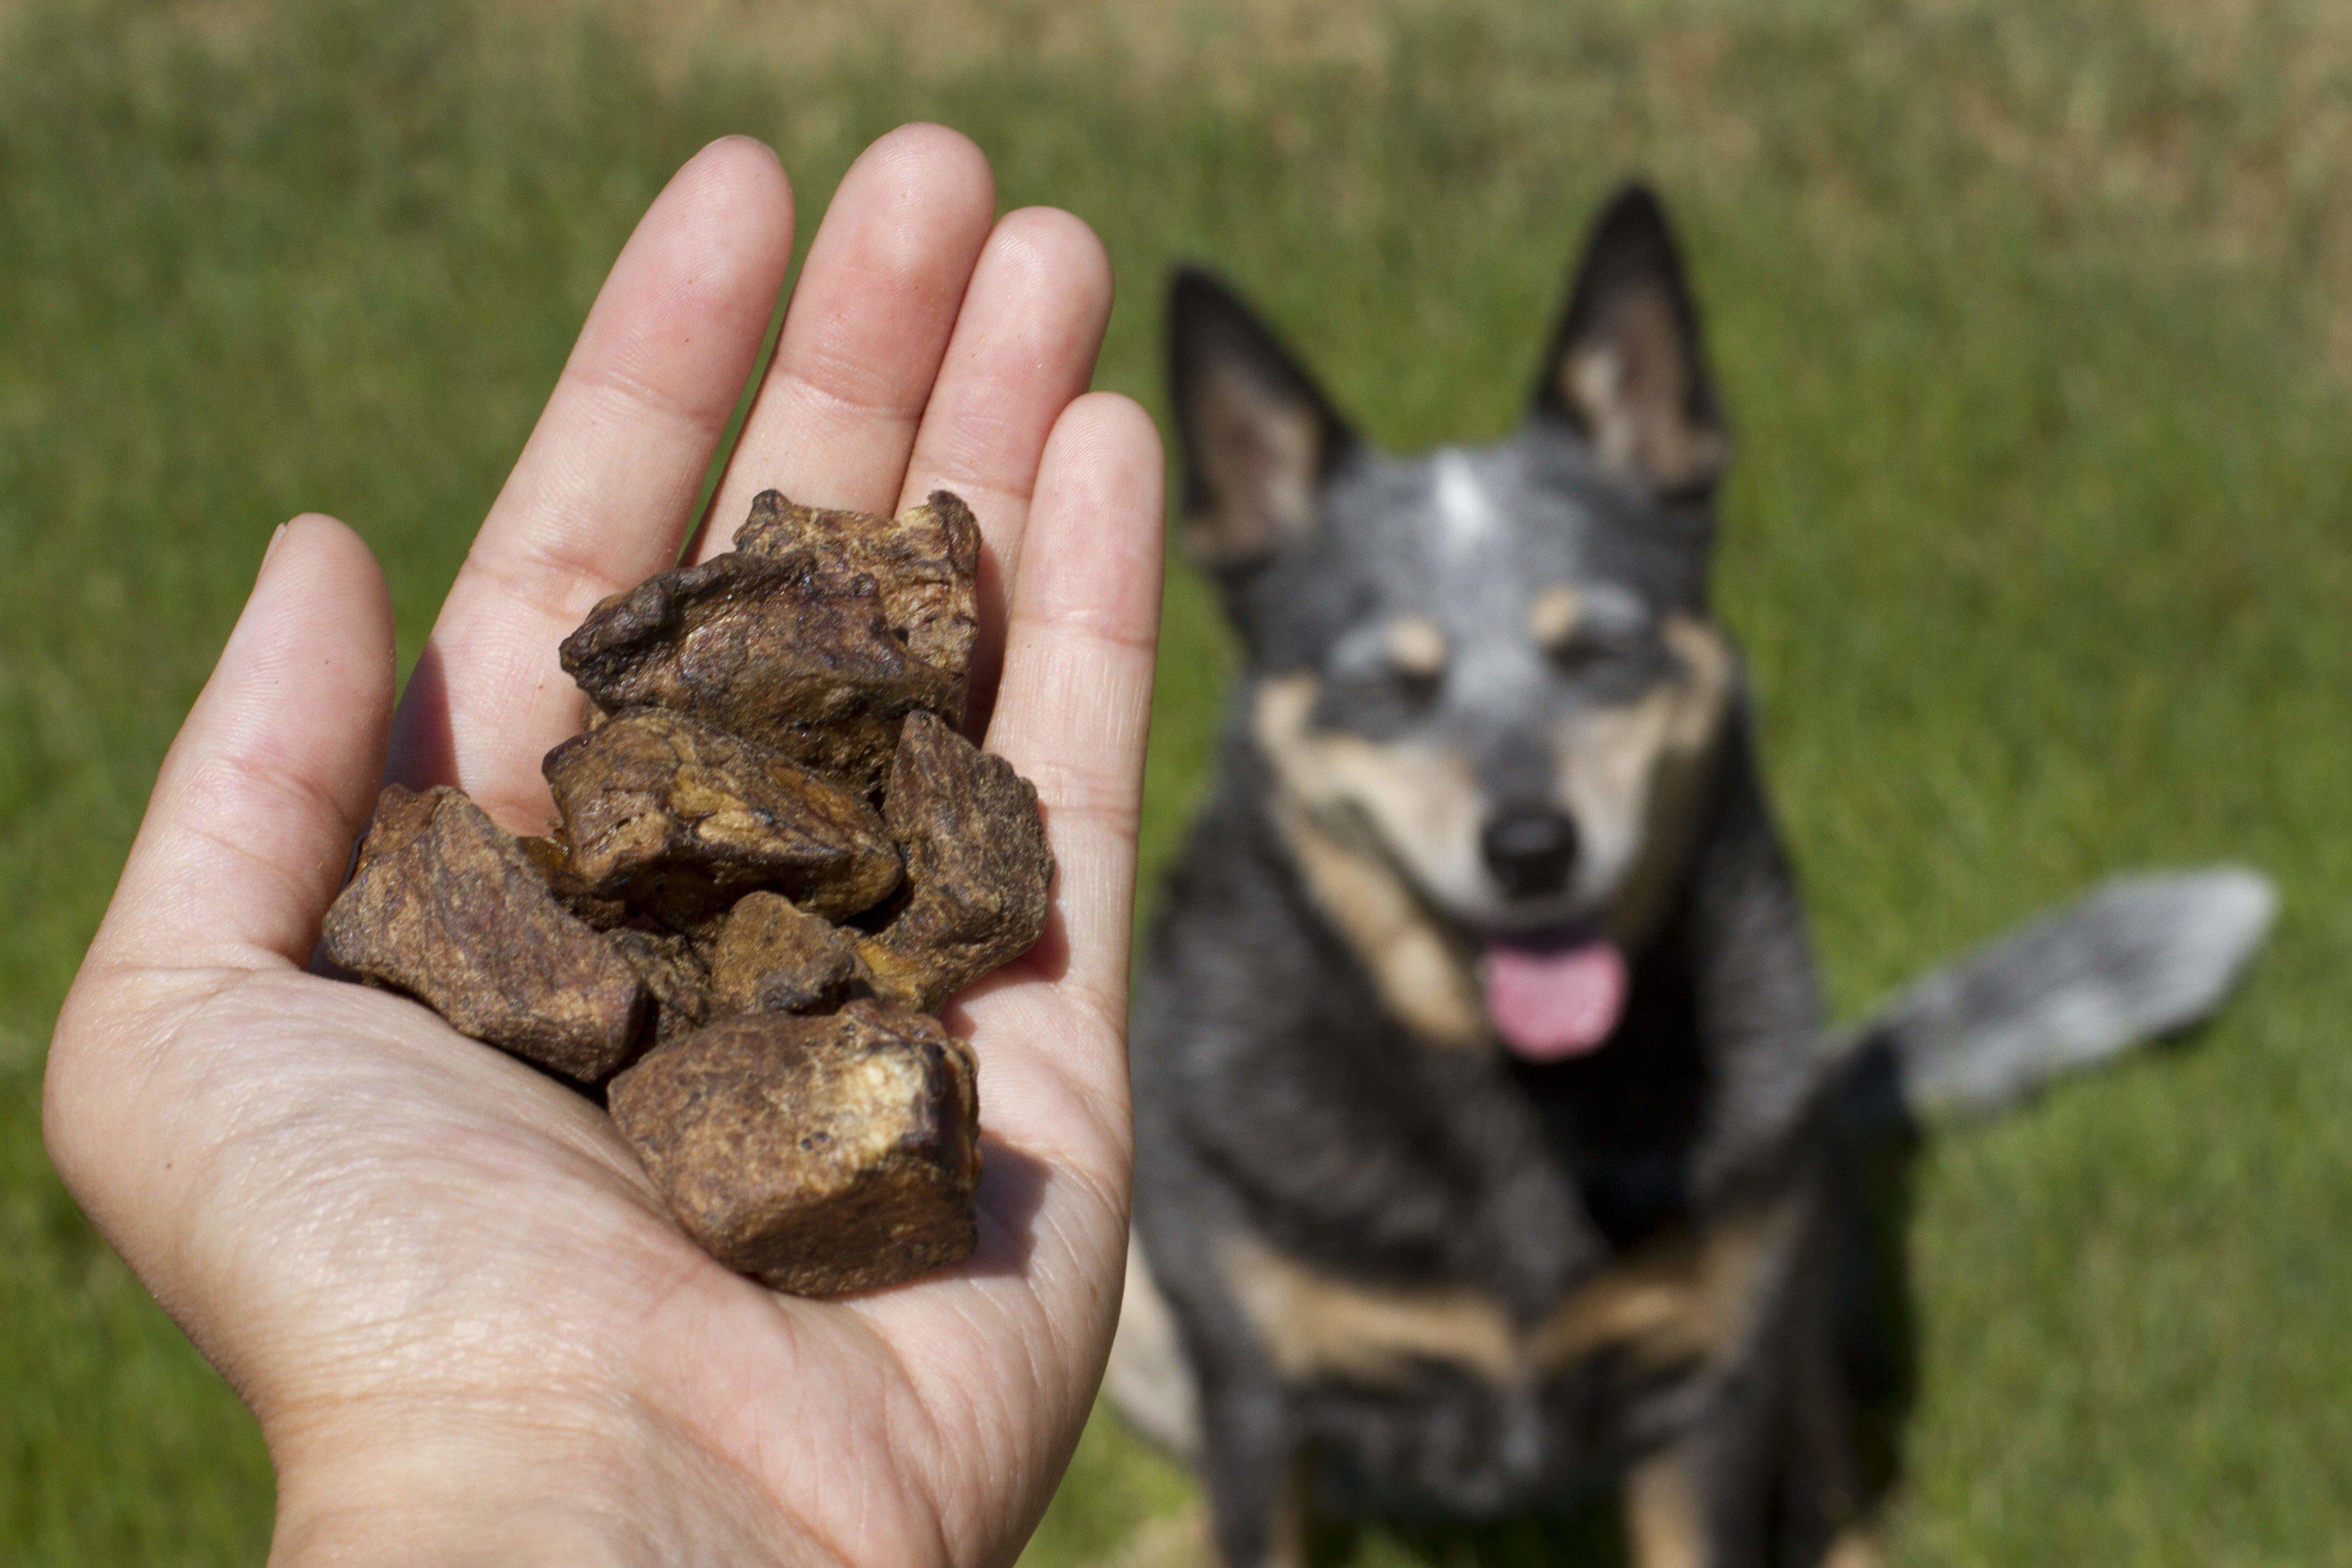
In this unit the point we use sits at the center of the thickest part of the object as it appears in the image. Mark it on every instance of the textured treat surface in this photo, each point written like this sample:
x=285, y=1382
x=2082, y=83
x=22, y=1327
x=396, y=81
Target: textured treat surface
x=822, y=1155
x=677, y=818
x=553, y=860
x=925, y=563
x=770, y=957
x=675, y=977
x=775, y=858
x=978, y=870
x=780, y=649
x=449, y=907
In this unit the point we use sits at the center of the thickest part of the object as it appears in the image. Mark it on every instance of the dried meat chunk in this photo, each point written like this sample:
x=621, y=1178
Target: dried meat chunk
x=925, y=562
x=784, y=650
x=978, y=870
x=821, y=1155
x=677, y=818
x=674, y=976
x=770, y=957
x=448, y=907
x=553, y=859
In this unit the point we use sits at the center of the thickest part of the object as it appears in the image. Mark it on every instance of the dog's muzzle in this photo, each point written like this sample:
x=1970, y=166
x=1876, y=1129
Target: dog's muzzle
x=1530, y=850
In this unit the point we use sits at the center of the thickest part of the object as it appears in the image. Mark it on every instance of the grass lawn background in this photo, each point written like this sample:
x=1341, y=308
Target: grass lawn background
x=2036, y=324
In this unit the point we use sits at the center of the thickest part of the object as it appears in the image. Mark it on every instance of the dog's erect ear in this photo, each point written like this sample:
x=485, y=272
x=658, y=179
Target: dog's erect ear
x=1626, y=370
x=1258, y=439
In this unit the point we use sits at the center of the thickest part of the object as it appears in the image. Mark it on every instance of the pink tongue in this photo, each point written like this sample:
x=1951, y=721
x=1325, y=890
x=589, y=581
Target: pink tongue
x=1551, y=1006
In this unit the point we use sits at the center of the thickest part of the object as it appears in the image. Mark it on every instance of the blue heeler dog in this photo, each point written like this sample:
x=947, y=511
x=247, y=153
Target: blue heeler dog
x=1492, y=1145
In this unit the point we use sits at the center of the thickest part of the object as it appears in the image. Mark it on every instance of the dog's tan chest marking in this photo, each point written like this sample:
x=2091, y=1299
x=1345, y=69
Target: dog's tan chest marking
x=1857, y=1548
x=1317, y=1324
x=1664, y=1525
x=1685, y=1299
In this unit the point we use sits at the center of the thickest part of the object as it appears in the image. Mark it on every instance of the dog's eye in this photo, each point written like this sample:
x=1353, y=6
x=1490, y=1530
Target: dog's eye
x=1415, y=688
x=1595, y=629
x=1584, y=653
x=1606, y=668
x=1390, y=669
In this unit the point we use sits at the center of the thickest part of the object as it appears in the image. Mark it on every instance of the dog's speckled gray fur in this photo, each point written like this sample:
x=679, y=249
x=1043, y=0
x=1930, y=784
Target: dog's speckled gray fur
x=1284, y=1108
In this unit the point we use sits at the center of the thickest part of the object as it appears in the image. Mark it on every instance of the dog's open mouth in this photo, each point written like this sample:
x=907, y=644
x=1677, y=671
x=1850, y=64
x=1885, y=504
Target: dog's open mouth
x=1554, y=996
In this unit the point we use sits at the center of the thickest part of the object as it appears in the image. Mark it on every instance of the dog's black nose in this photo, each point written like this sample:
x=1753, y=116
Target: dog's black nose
x=1530, y=850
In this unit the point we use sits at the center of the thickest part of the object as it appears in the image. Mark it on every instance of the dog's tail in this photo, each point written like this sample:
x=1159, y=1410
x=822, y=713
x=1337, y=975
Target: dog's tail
x=2139, y=957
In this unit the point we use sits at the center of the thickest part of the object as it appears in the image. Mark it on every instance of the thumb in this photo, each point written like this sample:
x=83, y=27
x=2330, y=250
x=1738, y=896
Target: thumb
x=273, y=775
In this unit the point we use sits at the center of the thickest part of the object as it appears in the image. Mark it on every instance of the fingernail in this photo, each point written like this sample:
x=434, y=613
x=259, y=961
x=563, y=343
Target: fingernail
x=276, y=539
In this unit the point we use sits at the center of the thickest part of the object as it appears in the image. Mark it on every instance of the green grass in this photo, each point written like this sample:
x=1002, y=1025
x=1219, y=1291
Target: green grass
x=2035, y=322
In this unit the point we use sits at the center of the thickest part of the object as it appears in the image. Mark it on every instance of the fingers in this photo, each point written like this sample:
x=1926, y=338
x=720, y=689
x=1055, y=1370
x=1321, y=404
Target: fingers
x=1075, y=705
x=273, y=775
x=1024, y=347
x=1071, y=713
x=604, y=493
x=835, y=416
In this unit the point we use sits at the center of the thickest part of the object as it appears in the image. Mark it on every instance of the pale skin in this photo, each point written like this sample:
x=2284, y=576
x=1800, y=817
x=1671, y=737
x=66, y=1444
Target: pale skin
x=469, y=1332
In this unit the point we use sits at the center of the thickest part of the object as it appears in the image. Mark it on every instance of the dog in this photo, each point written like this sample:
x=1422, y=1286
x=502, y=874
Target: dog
x=1491, y=1147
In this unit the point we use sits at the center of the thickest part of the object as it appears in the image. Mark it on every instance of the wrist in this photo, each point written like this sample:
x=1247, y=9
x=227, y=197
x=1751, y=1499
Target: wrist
x=421, y=1516
x=441, y=1483
x=385, y=1482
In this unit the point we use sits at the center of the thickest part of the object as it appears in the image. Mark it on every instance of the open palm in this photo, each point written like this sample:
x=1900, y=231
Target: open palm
x=470, y=1329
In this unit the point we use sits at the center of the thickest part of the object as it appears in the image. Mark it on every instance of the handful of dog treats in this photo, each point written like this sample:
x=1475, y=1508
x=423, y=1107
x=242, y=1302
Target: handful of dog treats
x=777, y=859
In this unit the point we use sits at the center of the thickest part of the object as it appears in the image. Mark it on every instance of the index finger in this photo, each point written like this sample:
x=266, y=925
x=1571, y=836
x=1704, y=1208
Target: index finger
x=835, y=415
x=1075, y=706
x=604, y=490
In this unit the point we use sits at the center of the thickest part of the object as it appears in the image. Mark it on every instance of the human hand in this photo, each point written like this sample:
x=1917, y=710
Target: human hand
x=468, y=1328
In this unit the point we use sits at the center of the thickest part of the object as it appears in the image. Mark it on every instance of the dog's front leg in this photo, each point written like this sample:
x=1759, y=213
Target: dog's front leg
x=1256, y=1490
x=1701, y=1502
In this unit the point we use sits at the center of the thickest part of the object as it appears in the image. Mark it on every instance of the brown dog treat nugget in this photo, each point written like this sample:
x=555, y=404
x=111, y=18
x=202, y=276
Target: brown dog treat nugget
x=821, y=1155
x=677, y=818
x=448, y=905
x=554, y=862
x=977, y=868
x=925, y=562
x=770, y=957
x=674, y=977
x=784, y=650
